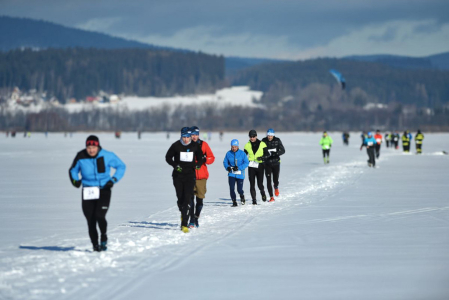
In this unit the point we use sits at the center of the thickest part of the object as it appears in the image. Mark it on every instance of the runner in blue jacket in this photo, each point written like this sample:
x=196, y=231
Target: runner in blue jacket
x=370, y=143
x=235, y=162
x=95, y=164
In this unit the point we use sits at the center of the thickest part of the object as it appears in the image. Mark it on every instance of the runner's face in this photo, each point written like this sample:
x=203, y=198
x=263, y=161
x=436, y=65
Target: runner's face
x=234, y=148
x=270, y=137
x=253, y=138
x=195, y=137
x=92, y=150
x=186, y=139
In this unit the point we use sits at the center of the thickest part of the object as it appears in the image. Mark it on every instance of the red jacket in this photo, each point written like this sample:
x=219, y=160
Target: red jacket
x=378, y=138
x=203, y=173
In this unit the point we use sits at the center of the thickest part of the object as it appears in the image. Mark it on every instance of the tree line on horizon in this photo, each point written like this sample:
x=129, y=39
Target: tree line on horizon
x=79, y=72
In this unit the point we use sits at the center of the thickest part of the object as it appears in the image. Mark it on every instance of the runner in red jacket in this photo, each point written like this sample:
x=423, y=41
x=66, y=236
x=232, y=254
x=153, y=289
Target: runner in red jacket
x=378, y=138
x=201, y=178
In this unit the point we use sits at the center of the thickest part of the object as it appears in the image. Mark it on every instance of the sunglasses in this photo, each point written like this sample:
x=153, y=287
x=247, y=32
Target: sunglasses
x=252, y=136
x=92, y=143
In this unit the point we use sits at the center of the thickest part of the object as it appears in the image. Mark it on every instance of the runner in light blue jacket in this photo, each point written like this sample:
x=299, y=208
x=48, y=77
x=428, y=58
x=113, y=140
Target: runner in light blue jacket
x=235, y=162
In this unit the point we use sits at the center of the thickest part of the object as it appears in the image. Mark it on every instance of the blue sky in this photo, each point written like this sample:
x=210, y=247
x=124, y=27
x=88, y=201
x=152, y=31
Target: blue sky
x=283, y=29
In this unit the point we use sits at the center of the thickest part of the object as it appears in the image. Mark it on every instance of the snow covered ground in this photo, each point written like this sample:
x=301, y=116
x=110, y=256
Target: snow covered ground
x=232, y=96
x=338, y=231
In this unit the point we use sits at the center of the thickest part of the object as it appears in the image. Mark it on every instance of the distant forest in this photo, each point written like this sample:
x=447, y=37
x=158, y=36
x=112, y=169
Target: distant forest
x=77, y=73
x=309, y=83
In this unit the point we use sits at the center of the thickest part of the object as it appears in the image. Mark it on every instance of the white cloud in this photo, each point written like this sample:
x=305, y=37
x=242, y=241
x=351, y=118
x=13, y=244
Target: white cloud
x=397, y=37
x=99, y=24
x=211, y=40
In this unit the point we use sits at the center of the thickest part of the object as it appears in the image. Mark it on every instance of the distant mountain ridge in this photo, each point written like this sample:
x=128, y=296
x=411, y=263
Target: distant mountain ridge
x=437, y=61
x=28, y=33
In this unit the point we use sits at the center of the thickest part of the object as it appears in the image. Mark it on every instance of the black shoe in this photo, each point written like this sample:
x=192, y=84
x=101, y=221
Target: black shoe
x=264, y=198
x=97, y=248
x=242, y=199
x=234, y=203
x=254, y=202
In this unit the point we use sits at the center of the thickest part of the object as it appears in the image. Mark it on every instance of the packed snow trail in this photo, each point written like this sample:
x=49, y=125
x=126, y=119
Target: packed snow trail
x=149, y=255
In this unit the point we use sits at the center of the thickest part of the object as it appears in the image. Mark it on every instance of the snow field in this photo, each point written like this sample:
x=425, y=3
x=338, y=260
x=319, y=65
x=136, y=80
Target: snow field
x=342, y=226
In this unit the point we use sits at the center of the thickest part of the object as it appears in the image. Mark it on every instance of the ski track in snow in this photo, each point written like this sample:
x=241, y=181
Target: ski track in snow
x=157, y=244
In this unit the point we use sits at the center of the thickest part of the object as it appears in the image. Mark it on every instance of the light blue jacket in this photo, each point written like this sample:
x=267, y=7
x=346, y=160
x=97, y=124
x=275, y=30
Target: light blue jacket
x=95, y=171
x=238, y=159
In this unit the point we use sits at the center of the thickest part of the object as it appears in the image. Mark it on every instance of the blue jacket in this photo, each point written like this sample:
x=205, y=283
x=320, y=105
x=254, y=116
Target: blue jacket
x=95, y=170
x=238, y=159
x=369, y=141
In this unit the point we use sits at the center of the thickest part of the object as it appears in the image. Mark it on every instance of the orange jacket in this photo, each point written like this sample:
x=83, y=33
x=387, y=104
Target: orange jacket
x=203, y=173
x=378, y=138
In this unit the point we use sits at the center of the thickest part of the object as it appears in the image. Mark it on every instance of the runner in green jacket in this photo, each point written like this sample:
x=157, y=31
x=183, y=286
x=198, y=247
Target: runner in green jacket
x=326, y=143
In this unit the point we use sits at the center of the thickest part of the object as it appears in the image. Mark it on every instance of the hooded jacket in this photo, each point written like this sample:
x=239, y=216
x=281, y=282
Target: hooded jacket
x=95, y=170
x=238, y=159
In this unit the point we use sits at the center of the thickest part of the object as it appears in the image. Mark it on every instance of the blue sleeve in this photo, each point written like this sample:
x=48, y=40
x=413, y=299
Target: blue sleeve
x=74, y=171
x=245, y=162
x=118, y=165
x=225, y=161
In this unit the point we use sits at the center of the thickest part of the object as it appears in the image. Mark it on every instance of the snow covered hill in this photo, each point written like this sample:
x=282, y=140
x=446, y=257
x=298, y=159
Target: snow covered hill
x=337, y=231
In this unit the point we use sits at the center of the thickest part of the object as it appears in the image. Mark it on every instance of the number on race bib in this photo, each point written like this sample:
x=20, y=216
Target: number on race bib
x=253, y=164
x=186, y=156
x=91, y=193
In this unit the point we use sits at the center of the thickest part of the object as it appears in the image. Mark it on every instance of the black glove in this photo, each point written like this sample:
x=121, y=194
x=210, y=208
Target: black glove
x=109, y=184
x=204, y=160
x=178, y=168
x=235, y=168
x=198, y=167
x=229, y=169
x=261, y=158
x=76, y=183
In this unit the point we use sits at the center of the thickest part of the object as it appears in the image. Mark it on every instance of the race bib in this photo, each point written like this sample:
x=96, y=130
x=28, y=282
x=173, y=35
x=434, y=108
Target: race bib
x=91, y=193
x=326, y=147
x=238, y=172
x=370, y=143
x=186, y=156
x=378, y=140
x=271, y=150
x=253, y=164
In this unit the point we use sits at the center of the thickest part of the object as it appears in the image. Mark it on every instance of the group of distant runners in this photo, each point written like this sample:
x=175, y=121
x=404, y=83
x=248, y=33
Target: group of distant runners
x=189, y=157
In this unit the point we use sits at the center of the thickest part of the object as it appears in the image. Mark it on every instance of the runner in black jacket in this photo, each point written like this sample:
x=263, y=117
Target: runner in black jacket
x=273, y=163
x=181, y=156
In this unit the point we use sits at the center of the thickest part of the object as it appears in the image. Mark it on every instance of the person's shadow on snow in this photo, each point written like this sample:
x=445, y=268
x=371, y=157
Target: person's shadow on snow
x=153, y=225
x=49, y=248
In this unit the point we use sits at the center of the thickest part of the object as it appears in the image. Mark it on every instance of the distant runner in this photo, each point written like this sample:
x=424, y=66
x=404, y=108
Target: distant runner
x=370, y=144
x=418, y=142
x=273, y=163
x=94, y=164
x=326, y=144
x=235, y=162
x=378, y=138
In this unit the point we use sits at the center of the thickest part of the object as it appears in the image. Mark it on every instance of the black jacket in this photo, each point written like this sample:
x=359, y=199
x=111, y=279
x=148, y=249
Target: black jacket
x=188, y=167
x=274, y=144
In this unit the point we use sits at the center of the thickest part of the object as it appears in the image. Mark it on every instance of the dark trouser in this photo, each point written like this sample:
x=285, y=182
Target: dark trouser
x=371, y=155
x=232, y=181
x=419, y=148
x=272, y=171
x=406, y=147
x=326, y=152
x=377, y=150
x=346, y=142
x=184, y=191
x=396, y=144
x=254, y=173
x=388, y=143
x=95, y=212
x=195, y=210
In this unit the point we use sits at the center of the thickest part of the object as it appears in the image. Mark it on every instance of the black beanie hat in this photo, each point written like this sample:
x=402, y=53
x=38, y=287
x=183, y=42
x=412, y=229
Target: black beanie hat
x=252, y=132
x=92, y=140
